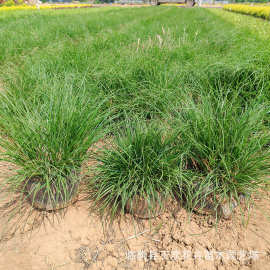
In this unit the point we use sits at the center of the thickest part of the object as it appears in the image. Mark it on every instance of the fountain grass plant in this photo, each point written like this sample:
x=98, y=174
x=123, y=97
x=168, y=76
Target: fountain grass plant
x=48, y=140
x=140, y=164
x=225, y=148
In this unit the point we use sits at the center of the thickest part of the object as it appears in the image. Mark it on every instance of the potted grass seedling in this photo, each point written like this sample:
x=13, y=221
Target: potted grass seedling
x=135, y=173
x=48, y=140
x=225, y=158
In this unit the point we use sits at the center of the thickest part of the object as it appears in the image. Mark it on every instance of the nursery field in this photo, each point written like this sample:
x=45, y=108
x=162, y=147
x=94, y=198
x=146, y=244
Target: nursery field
x=134, y=138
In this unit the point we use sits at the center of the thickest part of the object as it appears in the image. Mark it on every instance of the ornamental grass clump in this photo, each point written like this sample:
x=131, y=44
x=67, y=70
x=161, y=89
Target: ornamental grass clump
x=225, y=149
x=136, y=169
x=48, y=140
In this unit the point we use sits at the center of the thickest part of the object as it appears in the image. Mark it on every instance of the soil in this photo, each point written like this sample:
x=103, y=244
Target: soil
x=76, y=238
x=41, y=199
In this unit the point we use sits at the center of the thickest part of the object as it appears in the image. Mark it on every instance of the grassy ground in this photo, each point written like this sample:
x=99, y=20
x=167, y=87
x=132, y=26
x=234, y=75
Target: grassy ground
x=152, y=63
x=90, y=43
x=159, y=46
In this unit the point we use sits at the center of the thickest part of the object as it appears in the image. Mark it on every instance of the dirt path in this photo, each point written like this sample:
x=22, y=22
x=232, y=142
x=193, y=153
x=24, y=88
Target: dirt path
x=78, y=240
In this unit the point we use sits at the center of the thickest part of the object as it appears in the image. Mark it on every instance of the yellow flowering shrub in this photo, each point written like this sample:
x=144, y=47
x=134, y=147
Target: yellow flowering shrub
x=256, y=10
x=54, y=6
x=19, y=7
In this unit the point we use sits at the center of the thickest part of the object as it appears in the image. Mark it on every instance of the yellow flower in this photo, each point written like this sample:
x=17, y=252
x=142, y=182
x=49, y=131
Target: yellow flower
x=254, y=10
x=54, y=6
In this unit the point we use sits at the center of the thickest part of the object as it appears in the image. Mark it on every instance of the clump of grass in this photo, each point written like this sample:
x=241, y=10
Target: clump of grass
x=243, y=83
x=136, y=88
x=48, y=139
x=225, y=153
x=139, y=163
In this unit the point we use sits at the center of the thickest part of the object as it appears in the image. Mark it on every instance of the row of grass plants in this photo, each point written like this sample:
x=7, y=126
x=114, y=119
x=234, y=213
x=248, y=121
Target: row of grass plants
x=180, y=107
